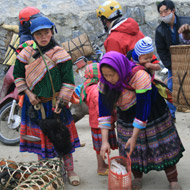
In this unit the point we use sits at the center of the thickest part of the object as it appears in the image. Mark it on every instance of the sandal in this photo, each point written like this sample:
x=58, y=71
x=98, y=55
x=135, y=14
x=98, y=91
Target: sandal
x=73, y=179
x=175, y=186
x=137, y=184
x=104, y=173
x=82, y=144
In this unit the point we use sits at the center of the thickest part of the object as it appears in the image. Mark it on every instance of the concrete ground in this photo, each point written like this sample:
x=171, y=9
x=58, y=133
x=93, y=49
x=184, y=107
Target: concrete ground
x=85, y=160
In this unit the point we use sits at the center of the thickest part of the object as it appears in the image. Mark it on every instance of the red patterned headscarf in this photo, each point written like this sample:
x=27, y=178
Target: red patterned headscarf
x=92, y=75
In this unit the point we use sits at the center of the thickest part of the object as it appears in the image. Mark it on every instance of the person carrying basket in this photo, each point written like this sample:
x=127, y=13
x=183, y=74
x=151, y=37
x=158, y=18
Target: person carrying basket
x=144, y=124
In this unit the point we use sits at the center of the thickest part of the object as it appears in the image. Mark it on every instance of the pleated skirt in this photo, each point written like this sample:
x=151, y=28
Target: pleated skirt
x=97, y=139
x=158, y=145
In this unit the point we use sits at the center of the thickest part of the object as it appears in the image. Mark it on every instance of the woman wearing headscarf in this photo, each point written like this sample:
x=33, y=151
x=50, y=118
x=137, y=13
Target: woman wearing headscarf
x=144, y=125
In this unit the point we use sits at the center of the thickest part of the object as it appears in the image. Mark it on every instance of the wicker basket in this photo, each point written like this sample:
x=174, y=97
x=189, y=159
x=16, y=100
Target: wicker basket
x=14, y=173
x=42, y=179
x=180, y=56
x=119, y=181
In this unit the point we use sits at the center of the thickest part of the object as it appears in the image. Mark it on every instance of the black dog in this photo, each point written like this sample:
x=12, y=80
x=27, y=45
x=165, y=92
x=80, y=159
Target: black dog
x=58, y=134
x=56, y=131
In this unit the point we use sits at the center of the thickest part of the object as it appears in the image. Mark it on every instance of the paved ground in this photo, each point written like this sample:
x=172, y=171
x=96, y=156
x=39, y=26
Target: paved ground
x=85, y=160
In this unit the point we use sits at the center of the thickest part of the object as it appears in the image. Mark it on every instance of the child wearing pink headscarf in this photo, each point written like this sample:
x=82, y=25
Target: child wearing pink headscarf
x=89, y=94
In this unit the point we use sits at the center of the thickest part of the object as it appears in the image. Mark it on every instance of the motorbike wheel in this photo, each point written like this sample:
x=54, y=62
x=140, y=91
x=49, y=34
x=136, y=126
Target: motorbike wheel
x=10, y=134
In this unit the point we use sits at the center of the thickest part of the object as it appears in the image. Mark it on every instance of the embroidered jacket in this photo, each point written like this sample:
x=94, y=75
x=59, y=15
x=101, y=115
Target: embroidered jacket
x=140, y=96
x=30, y=73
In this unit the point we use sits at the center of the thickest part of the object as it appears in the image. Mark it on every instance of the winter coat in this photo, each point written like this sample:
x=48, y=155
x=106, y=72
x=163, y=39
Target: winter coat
x=123, y=36
x=92, y=102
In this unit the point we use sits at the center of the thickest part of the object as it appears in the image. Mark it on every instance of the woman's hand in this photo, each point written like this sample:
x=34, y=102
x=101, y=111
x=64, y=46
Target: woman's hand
x=105, y=148
x=57, y=107
x=132, y=143
x=34, y=100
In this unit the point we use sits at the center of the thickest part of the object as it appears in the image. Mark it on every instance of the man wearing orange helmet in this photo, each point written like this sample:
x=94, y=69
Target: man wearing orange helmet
x=123, y=33
x=25, y=16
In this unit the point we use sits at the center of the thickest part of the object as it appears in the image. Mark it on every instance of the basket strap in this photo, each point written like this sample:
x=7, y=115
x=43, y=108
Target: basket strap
x=78, y=47
x=41, y=108
x=181, y=88
x=81, y=46
x=69, y=49
x=50, y=60
x=50, y=78
x=108, y=160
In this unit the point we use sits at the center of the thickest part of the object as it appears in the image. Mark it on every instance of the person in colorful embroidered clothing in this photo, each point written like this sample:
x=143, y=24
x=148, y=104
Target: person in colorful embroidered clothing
x=144, y=124
x=89, y=95
x=32, y=79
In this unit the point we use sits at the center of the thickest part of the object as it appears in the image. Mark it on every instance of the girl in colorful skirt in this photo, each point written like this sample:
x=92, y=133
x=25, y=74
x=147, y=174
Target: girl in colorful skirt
x=144, y=125
x=40, y=81
x=89, y=94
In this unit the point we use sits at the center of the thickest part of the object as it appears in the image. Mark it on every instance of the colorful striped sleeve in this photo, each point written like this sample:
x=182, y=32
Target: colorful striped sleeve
x=141, y=82
x=143, y=108
x=67, y=79
x=104, y=120
x=66, y=91
x=19, y=76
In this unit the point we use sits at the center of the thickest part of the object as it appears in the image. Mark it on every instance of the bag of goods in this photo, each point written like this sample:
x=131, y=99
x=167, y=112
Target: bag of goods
x=79, y=46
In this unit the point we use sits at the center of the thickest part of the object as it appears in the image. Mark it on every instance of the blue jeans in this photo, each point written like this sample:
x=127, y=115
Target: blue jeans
x=172, y=108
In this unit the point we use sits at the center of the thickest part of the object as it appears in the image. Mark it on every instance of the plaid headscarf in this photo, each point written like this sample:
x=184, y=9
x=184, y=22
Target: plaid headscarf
x=122, y=66
x=92, y=75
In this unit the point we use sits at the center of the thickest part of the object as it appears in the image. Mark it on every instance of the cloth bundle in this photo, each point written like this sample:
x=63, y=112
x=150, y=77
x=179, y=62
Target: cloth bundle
x=118, y=168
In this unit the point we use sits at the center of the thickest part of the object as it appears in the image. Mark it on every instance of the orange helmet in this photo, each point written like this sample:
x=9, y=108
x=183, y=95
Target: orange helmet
x=26, y=14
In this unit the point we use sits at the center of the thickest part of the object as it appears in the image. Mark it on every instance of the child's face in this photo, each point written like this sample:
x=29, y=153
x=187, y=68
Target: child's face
x=146, y=58
x=43, y=36
x=110, y=75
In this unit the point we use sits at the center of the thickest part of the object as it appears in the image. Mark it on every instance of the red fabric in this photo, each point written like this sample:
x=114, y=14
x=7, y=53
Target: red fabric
x=154, y=59
x=123, y=37
x=92, y=103
x=97, y=139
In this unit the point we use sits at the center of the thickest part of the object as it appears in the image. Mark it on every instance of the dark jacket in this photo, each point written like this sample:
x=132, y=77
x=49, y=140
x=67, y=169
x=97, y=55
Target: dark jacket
x=163, y=39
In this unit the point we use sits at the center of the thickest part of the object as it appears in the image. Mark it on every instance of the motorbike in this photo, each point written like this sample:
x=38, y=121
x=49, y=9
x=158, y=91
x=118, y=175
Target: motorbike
x=10, y=112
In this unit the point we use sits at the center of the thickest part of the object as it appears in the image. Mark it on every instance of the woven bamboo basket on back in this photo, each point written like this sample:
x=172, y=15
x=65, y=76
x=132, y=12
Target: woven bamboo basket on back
x=180, y=56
